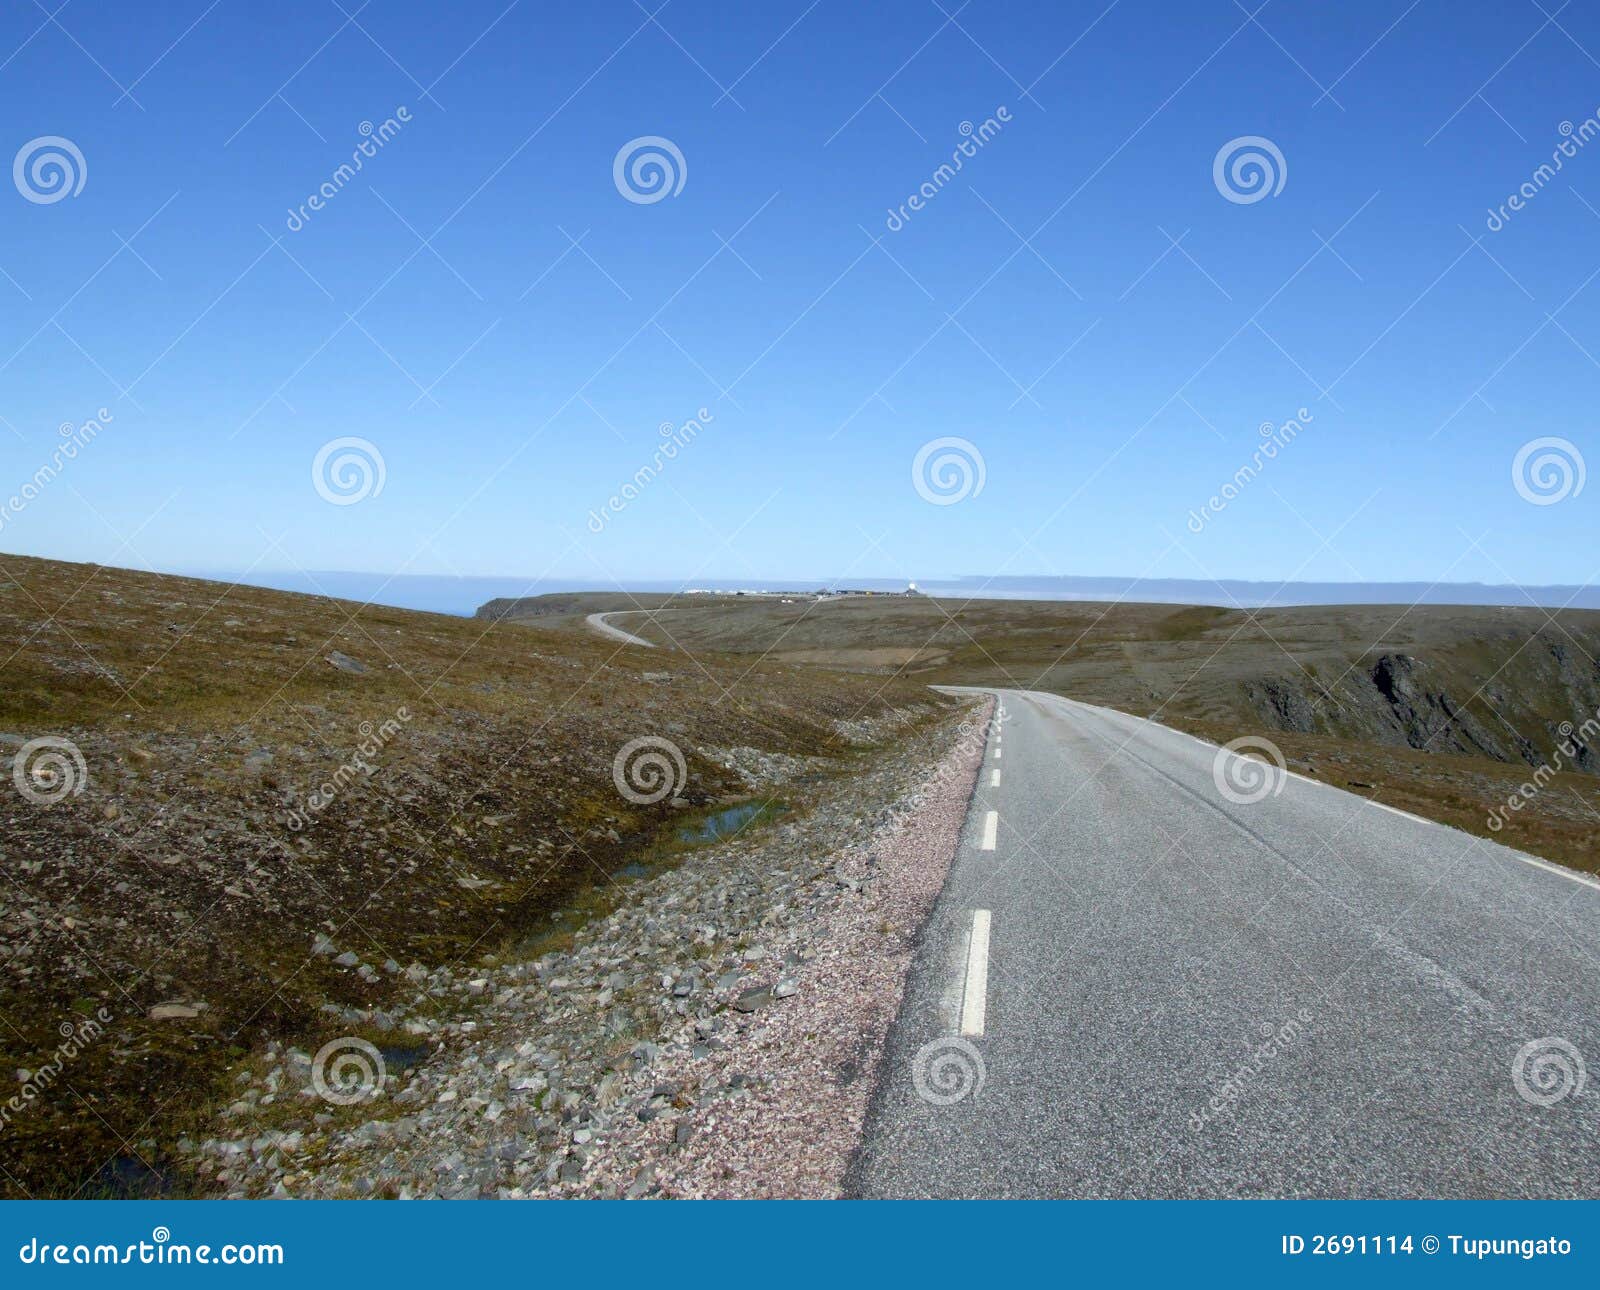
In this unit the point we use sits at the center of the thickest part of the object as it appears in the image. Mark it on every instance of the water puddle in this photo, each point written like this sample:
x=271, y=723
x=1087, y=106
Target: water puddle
x=728, y=821
x=129, y=1178
x=402, y=1057
x=660, y=854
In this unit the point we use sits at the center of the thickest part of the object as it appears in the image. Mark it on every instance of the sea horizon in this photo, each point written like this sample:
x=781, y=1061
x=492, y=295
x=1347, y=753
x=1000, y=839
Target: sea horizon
x=462, y=594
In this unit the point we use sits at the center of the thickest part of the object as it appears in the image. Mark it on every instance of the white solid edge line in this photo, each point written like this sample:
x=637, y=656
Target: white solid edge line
x=991, y=823
x=975, y=1000
x=1537, y=863
x=1383, y=806
x=994, y=778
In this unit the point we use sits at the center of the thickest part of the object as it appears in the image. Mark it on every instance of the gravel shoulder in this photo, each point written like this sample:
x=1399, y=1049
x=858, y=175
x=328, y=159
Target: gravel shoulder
x=717, y=1034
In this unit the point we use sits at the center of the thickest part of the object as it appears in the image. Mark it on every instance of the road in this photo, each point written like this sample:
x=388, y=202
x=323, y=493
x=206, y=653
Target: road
x=1187, y=995
x=602, y=624
x=598, y=623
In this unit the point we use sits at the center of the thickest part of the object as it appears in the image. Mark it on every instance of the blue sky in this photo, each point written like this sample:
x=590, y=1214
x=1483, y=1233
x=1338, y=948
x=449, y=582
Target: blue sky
x=1035, y=307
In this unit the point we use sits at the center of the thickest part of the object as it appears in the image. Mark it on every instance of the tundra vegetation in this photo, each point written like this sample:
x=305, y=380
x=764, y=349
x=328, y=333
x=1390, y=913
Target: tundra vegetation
x=268, y=776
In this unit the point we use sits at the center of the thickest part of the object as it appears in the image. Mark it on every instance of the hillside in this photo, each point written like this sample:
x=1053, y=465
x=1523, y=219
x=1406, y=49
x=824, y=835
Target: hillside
x=1447, y=711
x=259, y=807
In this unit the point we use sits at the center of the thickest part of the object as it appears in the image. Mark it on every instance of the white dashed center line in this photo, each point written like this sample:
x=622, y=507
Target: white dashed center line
x=991, y=823
x=975, y=1000
x=994, y=778
x=997, y=752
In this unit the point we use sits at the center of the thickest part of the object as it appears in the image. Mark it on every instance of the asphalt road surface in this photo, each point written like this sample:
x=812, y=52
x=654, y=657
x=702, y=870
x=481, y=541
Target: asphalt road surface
x=1170, y=992
x=601, y=624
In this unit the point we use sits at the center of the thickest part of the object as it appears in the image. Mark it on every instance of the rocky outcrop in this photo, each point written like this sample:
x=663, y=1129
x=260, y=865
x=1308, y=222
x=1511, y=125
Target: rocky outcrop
x=1282, y=704
x=1429, y=718
x=1519, y=706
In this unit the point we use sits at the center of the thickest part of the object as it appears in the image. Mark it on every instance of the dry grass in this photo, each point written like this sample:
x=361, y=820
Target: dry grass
x=207, y=715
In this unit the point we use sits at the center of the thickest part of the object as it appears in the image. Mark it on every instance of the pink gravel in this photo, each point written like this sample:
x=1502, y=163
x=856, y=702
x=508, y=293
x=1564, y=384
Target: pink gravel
x=812, y=1061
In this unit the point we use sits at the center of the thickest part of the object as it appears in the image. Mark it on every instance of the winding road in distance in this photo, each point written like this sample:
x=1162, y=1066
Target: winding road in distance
x=599, y=623
x=602, y=624
x=1136, y=984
